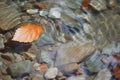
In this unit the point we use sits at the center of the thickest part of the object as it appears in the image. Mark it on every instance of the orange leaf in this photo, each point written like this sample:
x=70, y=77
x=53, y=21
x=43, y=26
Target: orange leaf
x=28, y=32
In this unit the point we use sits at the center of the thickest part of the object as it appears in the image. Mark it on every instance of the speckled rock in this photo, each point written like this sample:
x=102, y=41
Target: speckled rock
x=18, y=68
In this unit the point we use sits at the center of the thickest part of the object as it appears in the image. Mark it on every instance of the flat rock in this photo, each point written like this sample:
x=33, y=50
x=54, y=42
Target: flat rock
x=71, y=52
x=18, y=68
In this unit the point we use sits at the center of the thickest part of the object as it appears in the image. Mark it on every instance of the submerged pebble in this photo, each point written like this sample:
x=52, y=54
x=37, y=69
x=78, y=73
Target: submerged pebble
x=43, y=13
x=51, y=73
x=19, y=68
x=55, y=13
x=32, y=11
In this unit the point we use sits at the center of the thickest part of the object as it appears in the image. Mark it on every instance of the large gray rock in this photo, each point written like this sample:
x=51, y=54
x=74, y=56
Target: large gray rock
x=19, y=68
x=71, y=52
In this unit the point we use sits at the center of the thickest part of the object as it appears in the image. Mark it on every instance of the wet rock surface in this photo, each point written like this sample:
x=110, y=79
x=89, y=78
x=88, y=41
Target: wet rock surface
x=80, y=40
x=18, y=68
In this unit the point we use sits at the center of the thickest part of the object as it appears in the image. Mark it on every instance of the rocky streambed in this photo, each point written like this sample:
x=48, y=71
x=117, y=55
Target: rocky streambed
x=80, y=41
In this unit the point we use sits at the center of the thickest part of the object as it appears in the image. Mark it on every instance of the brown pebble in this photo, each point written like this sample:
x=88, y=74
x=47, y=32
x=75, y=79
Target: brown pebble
x=40, y=6
x=43, y=66
x=60, y=74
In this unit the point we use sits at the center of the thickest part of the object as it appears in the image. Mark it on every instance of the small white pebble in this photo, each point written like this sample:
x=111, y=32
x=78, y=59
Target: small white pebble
x=32, y=11
x=43, y=13
x=51, y=73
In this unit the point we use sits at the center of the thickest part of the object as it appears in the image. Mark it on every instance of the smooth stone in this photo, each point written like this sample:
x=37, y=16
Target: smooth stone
x=71, y=52
x=43, y=13
x=104, y=74
x=19, y=68
x=51, y=73
x=54, y=13
x=32, y=11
